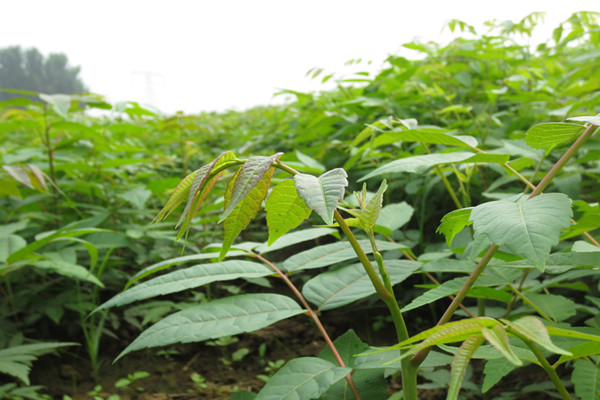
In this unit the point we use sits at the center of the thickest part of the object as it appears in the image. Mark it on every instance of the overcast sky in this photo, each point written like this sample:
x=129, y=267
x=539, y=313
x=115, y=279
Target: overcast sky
x=220, y=54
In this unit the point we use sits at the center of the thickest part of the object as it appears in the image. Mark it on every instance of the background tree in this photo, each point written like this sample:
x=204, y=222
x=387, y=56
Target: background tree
x=29, y=70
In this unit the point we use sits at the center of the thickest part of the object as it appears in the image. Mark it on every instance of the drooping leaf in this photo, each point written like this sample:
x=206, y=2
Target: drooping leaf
x=188, y=278
x=292, y=238
x=460, y=363
x=16, y=360
x=548, y=135
x=180, y=193
x=454, y=222
x=322, y=194
x=285, y=210
x=580, y=350
x=528, y=228
x=328, y=254
x=498, y=338
x=250, y=174
x=554, y=306
x=394, y=216
x=341, y=286
x=238, y=219
x=223, y=317
x=67, y=269
x=586, y=378
x=495, y=370
x=534, y=330
x=302, y=378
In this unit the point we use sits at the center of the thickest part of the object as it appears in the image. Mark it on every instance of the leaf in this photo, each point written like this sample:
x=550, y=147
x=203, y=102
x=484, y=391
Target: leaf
x=548, y=135
x=285, y=210
x=250, y=174
x=16, y=360
x=369, y=382
x=343, y=285
x=67, y=269
x=460, y=363
x=495, y=370
x=586, y=378
x=554, y=306
x=309, y=161
x=528, y=228
x=137, y=197
x=302, y=378
x=425, y=135
x=534, y=330
x=420, y=164
x=395, y=216
x=454, y=222
x=188, y=278
x=9, y=244
x=593, y=120
x=333, y=253
x=322, y=194
x=498, y=338
x=179, y=194
x=579, y=351
x=290, y=239
x=554, y=331
x=223, y=317
x=238, y=219
x=370, y=213
x=59, y=102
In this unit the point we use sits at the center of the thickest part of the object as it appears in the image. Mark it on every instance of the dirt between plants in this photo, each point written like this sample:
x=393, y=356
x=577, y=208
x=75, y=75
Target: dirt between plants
x=174, y=370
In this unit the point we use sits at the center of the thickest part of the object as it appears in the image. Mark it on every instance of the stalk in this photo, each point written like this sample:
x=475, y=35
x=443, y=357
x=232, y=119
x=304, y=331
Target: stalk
x=315, y=318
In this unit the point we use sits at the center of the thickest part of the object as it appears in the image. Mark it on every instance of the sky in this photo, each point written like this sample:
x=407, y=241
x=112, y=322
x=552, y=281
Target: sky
x=195, y=56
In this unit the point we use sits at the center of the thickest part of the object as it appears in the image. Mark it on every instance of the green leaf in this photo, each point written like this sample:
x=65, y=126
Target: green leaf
x=554, y=306
x=309, y=161
x=285, y=210
x=322, y=194
x=188, y=278
x=370, y=382
x=137, y=197
x=179, y=194
x=238, y=219
x=554, y=331
x=343, y=285
x=328, y=254
x=580, y=350
x=215, y=319
x=460, y=363
x=9, y=244
x=368, y=216
x=586, y=378
x=534, y=330
x=495, y=370
x=250, y=174
x=61, y=103
x=302, y=378
x=292, y=238
x=548, y=135
x=498, y=338
x=425, y=135
x=67, y=269
x=454, y=222
x=528, y=228
x=395, y=216
x=16, y=360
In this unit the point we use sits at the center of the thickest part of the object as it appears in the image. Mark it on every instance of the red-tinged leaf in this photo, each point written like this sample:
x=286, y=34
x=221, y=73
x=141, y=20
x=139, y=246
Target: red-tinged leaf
x=241, y=215
x=460, y=363
x=252, y=172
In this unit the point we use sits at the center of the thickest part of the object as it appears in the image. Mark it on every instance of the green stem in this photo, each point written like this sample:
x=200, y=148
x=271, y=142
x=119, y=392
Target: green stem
x=531, y=304
x=449, y=187
x=315, y=318
x=386, y=294
x=564, y=394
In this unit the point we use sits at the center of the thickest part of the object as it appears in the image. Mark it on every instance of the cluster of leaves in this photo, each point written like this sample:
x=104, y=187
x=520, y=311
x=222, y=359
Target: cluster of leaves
x=451, y=137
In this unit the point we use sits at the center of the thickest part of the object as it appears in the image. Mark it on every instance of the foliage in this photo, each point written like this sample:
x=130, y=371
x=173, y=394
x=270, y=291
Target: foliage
x=488, y=142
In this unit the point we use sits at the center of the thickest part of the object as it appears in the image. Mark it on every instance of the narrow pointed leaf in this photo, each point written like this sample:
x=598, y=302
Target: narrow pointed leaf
x=528, y=228
x=302, y=378
x=189, y=278
x=498, y=338
x=460, y=363
x=548, y=135
x=586, y=378
x=534, y=330
x=554, y=331
x=495, y=370
x=180, y=193
x=581, y=350
x=215, y=319
x=341, y=286
x=369, y=215
x=252, y=172
x=69, y=270
x=247, y=208
x=322, y=194
x=285, y=210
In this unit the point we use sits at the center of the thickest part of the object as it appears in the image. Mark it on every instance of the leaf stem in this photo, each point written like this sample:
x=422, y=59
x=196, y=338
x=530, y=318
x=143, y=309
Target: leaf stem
x=315, y=318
